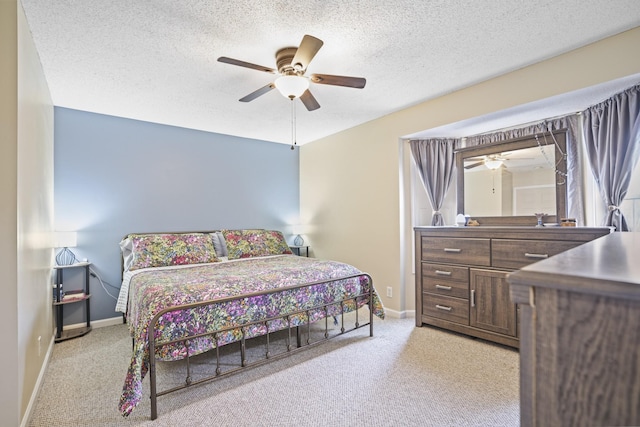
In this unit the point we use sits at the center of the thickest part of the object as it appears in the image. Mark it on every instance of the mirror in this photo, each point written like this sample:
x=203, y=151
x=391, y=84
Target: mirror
x=507, y=183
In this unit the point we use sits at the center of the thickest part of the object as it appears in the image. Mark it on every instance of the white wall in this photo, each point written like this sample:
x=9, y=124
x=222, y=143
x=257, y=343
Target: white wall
x=26, y=214
x=35, y=213
x=355, y=185
x=9, y=357
x=486, y=193
x=349, y=195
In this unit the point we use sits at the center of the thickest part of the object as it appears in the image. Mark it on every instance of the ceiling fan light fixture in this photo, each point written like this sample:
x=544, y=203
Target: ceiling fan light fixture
x=292, y=86
x=291, y=64
x=493, y=164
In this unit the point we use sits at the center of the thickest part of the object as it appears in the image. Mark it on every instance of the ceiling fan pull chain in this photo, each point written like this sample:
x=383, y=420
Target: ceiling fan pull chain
x=293, y=124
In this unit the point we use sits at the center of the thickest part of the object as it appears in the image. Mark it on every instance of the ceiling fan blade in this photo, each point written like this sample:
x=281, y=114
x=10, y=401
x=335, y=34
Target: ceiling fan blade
x=474, y=165
x=246, y=64
x=257, y=93
x=309, y=101
x=308, y=48
x=327, y=79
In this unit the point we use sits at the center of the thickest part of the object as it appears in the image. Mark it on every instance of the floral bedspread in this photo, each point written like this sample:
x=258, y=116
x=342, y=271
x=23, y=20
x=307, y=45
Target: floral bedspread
x=153, y=290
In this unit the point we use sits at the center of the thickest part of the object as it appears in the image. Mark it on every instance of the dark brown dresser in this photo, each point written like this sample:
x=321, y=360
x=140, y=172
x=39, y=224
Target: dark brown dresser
x=580, y=340
x=461, y=274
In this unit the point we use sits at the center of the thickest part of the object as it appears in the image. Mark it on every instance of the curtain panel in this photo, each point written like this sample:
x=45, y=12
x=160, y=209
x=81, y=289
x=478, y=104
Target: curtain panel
x=612, y=141
x=435, y=161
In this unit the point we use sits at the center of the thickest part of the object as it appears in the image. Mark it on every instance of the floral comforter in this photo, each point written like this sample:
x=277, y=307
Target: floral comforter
x=152, y=290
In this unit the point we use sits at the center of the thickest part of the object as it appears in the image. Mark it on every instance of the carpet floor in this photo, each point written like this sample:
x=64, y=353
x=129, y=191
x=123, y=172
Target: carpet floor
x=402, y=376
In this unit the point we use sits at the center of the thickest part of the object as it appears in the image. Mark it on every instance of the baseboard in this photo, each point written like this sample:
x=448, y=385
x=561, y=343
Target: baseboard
x=108, y=322
x=36, y=389
x=98, y=323
x=399, y=314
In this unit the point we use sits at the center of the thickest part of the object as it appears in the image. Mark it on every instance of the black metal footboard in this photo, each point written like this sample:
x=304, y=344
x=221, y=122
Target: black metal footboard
x=290, y=349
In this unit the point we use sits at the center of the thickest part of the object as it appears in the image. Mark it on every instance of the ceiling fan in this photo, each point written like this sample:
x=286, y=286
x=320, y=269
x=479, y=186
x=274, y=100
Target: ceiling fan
x=491, y=161
x=291, y=65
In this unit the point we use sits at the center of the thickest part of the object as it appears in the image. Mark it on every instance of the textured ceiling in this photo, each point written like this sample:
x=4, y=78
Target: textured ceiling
x=156, y=60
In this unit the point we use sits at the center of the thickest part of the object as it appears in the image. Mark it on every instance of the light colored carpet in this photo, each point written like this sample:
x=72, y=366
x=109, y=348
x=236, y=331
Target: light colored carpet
x=402, y=376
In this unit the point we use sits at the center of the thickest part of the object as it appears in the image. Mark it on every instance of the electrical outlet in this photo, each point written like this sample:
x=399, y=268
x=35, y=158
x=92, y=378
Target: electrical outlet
x=389, y=291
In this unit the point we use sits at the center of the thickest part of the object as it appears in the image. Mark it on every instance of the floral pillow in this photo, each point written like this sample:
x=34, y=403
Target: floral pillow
x=254, y=243
x=160, y=250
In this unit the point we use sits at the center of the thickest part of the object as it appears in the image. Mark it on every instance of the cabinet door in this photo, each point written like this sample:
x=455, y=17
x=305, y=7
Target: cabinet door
x=490, y=304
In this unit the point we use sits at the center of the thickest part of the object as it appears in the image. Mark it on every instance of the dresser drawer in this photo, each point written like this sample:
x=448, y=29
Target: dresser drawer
x=515, y=254
x=457, y=251
x=446, y=280
x=446, y=308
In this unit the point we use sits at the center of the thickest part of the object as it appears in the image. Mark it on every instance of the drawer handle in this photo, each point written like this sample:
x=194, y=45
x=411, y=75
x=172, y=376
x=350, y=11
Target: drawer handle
x=443, y=307
x=455, y=250
x=443, y=273
x=528, y=255
x=473, y=297
x=443, y=287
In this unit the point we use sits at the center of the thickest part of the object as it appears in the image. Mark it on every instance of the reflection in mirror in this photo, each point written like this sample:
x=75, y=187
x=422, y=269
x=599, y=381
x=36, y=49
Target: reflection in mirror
x=513, y=183
x=509, y=182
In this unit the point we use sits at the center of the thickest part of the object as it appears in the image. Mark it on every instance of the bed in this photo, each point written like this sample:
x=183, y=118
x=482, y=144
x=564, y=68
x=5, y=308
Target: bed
x=185, y=294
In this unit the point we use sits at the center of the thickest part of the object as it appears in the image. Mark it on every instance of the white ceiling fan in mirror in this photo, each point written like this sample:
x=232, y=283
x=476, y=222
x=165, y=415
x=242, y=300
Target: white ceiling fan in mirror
x=492, y=161
x=524, y=159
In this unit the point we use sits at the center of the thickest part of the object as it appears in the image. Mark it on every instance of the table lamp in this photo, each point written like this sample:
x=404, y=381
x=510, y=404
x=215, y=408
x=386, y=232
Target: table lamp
x=65, y=240
x=298, y=230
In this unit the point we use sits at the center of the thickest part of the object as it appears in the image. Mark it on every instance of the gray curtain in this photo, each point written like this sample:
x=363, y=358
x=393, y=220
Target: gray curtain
x=612, y=138
x=435, y=159
x=575, y=205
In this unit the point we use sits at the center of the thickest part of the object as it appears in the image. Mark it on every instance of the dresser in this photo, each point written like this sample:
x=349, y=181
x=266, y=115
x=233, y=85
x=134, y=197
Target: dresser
x=580, y=343
x=461, y=274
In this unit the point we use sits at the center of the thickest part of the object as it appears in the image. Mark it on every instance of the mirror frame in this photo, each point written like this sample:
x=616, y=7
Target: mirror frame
x=511, y=145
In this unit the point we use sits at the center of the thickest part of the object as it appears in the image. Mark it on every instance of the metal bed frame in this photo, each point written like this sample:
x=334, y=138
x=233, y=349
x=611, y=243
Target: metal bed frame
x=244, y=364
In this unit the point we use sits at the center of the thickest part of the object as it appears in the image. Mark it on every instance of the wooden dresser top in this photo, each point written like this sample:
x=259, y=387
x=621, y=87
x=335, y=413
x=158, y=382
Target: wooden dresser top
x=608, y=266
x=516, y=232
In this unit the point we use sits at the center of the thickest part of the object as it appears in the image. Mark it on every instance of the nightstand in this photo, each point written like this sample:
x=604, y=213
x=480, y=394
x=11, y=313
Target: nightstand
x=62, y=297
x=298, y=250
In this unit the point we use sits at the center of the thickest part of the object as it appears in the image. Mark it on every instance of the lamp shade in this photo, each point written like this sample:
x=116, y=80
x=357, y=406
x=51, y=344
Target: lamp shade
x=65, y=239
x=298, y=229
x=292, y=86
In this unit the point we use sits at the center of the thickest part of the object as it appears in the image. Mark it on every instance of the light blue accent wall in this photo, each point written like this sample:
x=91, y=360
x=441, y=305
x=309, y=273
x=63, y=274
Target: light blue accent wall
x=114, y=176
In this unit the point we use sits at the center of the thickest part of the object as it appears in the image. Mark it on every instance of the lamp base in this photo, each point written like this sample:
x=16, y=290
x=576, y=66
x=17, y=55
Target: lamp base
x=298, y=241
x=65, y=257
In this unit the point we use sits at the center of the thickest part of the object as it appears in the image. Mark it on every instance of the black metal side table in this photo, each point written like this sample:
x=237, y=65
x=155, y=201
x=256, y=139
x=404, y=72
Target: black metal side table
x=299, y=249
x=60, y=299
